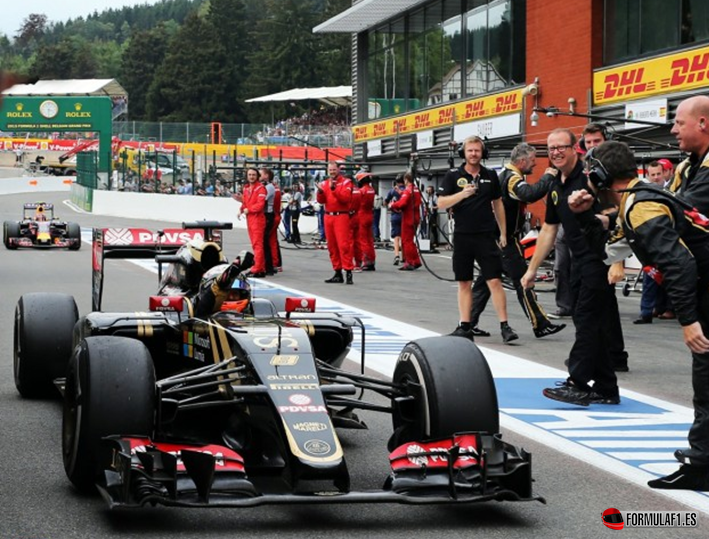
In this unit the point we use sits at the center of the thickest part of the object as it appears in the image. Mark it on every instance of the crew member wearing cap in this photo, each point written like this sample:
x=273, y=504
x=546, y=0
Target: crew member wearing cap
x=667, y=171
x=665, y=231
x=335, y=194
x=365, y=233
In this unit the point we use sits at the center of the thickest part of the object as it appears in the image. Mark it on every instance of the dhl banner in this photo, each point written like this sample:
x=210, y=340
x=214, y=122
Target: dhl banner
x=684, y=70
x=462, y=111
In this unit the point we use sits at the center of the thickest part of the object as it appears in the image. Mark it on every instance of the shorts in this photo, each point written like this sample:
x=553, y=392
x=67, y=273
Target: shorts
x=480, y=248
x=396, y=228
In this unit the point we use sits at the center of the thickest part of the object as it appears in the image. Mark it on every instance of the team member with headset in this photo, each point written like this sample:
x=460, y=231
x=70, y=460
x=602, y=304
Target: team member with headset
x=589, y=358
x=472, y=191
x=663, y=230
x=516, y=193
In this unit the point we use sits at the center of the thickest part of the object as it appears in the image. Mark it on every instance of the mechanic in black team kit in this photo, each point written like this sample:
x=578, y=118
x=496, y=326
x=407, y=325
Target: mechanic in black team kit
x=472, y=191
x=590, y=359
x=516, y=194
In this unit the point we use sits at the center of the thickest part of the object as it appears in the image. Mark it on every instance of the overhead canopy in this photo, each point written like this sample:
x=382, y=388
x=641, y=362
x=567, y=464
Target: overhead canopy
x=364, y=15
x=99, y=87
x=337, y=96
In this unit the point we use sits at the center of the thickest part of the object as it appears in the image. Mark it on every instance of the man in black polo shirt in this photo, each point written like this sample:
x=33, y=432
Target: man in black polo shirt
x=472, y=191
x=589, y=359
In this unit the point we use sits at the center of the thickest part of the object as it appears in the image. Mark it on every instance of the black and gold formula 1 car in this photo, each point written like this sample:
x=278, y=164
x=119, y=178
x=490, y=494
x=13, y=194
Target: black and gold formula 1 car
x=213, y=398
x=40, y=228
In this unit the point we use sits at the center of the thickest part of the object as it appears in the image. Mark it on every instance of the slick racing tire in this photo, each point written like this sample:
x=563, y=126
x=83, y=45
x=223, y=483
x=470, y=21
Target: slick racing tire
x=110, y=389
x=73, y=231
x=449, y=389
x=10, y=229
x=44, y=323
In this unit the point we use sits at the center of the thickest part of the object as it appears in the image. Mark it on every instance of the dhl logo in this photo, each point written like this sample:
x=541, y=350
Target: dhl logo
x=690, y=70
x=361, y=132
x=380, y=129
x=507, y=103
x=474, y=109
x=445, y=115
x=625, y=83
x=401, y=125
x=422, y=120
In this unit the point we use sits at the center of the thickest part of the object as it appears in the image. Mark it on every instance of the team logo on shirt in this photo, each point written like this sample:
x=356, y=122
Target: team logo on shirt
x=555, y=198
x=462, y=182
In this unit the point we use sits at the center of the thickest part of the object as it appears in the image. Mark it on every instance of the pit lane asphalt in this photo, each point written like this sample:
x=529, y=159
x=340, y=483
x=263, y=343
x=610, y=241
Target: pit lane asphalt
x=37, y=500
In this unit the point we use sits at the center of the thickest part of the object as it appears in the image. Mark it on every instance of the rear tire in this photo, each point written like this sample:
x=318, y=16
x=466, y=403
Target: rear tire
x=73, y=231
x=10, y=229
x=452, y=388
x=110, y=389
x=43, y=333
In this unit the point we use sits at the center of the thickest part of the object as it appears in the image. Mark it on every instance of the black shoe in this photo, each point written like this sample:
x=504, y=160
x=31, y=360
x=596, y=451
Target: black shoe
x=368, y=267
x=688, y=477
x=407, y=267
x=549, y=329
x=337, y=278
x=479, y=332
x=508, y=334
x=598, y=398
x=349, y=277
x=460, y=332
x=643, y=320
x=396, y=260
x=559, y=314
x=259, y=275
x=568, y=392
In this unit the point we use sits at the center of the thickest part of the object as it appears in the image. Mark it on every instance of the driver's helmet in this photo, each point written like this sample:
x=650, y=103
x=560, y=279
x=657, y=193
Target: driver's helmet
x=39, y=214
x=197, y=257
x=238, y=296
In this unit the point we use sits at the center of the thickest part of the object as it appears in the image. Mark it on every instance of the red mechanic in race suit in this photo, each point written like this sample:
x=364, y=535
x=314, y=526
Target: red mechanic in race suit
x=410, y=206
x=355, y=207
x=273, y=239
x=335, y=194
x=253, y=204
x=365, y=234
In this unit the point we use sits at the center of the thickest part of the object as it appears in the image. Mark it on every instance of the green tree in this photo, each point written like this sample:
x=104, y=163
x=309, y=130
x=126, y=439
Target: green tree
x=143, y=55
x=71, y=58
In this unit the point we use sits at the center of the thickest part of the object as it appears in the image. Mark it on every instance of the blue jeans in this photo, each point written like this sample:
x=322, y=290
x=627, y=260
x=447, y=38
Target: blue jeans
x=649, y=296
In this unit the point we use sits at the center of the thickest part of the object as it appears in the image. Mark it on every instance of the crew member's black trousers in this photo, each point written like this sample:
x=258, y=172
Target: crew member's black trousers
x=514, y=267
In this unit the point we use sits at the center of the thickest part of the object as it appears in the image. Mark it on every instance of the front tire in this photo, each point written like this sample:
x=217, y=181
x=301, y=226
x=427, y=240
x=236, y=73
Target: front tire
x=10, y=229
x=449, y=389
x=73, y=231
x=110, y=389
x=44, y=325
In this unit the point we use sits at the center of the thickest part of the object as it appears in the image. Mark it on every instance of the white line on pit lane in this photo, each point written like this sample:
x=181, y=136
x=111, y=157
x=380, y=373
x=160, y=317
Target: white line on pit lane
x=555, y=425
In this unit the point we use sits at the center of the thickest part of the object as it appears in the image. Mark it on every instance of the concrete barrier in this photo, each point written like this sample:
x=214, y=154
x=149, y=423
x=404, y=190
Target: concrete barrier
x=34, y=184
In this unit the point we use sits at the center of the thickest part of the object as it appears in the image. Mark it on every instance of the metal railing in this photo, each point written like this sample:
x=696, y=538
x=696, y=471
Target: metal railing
x=283, y=134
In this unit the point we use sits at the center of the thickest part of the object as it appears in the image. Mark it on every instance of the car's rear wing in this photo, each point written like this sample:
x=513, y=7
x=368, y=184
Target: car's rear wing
x=117, y=243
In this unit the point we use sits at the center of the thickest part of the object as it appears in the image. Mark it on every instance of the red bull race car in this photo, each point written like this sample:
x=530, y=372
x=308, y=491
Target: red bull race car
x=217, y=398
x=40, y=228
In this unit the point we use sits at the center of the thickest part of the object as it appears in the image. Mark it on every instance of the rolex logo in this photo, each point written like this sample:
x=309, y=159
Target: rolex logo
x=77, y=106
x=19, y=107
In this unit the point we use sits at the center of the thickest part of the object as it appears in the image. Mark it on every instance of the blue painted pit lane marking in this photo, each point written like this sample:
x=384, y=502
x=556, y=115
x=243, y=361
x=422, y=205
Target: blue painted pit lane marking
x=634, y=440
